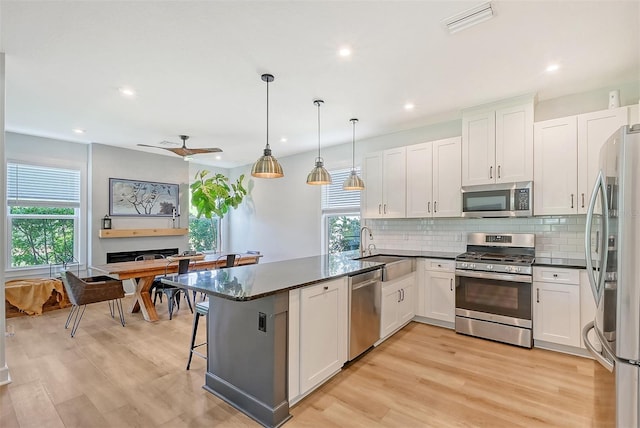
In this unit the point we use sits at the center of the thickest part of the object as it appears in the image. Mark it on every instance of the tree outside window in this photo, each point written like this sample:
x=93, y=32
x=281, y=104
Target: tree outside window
x=341, y=213
x=343, y=232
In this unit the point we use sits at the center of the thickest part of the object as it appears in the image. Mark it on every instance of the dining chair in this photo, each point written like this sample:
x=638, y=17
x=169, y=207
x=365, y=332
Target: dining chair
x=173, y=293
x=156, y=282
x=83, y=291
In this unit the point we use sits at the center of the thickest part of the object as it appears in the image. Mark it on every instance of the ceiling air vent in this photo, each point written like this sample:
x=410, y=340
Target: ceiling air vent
x=469, y=17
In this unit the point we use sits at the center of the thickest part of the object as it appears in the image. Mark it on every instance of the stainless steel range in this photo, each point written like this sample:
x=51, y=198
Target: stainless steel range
x=493, y=287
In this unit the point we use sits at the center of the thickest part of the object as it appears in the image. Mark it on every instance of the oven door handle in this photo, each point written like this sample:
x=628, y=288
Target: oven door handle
x=493, y=275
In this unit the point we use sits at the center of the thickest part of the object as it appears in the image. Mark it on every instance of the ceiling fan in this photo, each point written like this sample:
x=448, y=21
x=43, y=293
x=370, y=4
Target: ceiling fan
x=184, y=151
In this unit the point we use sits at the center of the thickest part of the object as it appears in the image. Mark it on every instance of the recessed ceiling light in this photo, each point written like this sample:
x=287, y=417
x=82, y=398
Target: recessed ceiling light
x=127, y=92
x=79, y=131
x=218, y=157
x=551, y=68
x=409, y=106
x=344, y=52
x=283, y=139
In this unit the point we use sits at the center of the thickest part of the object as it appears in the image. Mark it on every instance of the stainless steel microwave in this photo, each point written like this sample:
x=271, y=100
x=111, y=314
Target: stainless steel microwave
x=498, y=200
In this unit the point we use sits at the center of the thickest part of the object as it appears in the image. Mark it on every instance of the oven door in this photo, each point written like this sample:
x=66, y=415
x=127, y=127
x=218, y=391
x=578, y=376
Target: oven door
x=496, y=297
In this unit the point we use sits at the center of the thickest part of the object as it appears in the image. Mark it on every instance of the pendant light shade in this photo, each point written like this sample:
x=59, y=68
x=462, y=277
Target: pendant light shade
x=319, y=175
x=267, y=166
x=353, y=182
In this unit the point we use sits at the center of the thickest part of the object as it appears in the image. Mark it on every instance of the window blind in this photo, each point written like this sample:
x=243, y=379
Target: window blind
x=335, y=197
x=29, y=185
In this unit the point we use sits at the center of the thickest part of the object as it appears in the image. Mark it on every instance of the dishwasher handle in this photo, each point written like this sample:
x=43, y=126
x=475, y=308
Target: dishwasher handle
x=364, y=284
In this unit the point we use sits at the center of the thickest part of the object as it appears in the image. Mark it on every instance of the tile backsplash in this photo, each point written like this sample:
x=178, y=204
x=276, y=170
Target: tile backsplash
x=556, y=236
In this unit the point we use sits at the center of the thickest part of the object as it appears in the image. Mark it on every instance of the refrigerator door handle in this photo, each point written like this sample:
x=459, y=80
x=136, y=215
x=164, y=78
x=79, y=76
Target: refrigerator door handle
x=600, y=357
x=596, y=284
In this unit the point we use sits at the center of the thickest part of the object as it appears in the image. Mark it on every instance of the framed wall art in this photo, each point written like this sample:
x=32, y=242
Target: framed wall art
x=143, y=198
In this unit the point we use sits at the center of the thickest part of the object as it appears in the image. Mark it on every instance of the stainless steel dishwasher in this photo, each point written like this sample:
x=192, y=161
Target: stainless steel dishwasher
x=364, y=318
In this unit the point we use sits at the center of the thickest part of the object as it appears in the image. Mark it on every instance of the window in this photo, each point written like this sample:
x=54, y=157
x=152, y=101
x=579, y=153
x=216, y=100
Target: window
x=203, y=232
x=43, y=212
x=341, y=215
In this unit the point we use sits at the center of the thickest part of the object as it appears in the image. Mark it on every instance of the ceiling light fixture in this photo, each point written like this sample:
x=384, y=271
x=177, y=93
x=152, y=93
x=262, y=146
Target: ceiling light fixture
x=267, y=166
x=127, y=92
x=319, y=175
x=469, y=18
x=409, y=106
x=551, y=68
x=79, y=131
x=344, y=52
x=353, y=182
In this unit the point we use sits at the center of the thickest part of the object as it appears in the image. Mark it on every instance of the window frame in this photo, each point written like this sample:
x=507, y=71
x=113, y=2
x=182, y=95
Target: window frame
x=332, y=211
x=77, y=217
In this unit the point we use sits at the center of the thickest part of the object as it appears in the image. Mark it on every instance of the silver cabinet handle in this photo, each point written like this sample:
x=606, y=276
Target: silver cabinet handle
x=379, y=208
x=582, y=200
x=326, y=287
x=498, y=171
x=435, y=206
x=429, y=206
x=451, y=284
x=491, y=171
x=537, y=295
x=555, y=275
x=399, y=296
x=572, y=200
x=384, y=209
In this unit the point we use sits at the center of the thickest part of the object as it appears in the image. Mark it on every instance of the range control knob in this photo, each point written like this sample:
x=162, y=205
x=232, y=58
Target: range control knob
x=489, y=267
x=472, y=265
x=515, y=269
x=465, y=265
x=508, y=268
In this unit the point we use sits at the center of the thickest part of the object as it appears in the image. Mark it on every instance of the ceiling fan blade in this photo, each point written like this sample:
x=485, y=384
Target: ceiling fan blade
x=205, y=150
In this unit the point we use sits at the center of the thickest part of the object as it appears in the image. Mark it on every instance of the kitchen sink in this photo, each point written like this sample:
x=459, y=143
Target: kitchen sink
x=394, y=266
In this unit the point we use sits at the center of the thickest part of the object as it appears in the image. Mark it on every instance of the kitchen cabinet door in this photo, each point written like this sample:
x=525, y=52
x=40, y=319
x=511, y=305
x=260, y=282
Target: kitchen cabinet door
x=323, y=332
x=389, y=314
x=447, y=177
x=420, y=180
x=372, y=194
x=398, y=304
x=555, y=178
x=593, y=130
x=439, y=296
x=394, y=192
x=556, y=317
x=407, y=305
x=478, y=148
x=514, y=144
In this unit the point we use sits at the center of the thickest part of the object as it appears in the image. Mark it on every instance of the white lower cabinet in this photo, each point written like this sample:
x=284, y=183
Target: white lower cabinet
x=398, y=304
x=436, y=293
x=318, y=335
x=556, y=303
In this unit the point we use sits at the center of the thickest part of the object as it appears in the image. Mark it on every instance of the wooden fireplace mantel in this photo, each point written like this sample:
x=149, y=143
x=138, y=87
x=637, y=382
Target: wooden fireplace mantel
x=134, y=233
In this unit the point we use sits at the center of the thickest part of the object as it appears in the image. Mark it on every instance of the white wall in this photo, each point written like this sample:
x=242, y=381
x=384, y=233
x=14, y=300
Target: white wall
x=4, y=369
x=114, y=162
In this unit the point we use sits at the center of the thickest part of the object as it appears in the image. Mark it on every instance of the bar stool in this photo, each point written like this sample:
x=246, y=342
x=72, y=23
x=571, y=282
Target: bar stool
x=202, y=308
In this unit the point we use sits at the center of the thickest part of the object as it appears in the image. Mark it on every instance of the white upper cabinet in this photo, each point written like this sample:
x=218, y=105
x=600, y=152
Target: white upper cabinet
x=556, y=170
x=433, y=179
x=497, y=143
x=566, y=159
x=384, y=174
x=593, y=130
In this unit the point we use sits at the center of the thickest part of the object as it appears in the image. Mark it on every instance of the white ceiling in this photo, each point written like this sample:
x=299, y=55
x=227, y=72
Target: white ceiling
x=196, y=66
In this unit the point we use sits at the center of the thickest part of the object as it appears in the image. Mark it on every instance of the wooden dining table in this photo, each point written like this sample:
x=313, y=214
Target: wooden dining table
x=143, y=272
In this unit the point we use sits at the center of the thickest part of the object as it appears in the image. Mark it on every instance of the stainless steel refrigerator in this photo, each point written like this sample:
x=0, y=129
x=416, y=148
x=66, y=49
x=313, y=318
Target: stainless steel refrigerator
x=612, y=245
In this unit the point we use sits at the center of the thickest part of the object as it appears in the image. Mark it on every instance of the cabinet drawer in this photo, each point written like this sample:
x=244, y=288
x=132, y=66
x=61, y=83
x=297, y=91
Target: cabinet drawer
x=440, y=265
x=557, y=275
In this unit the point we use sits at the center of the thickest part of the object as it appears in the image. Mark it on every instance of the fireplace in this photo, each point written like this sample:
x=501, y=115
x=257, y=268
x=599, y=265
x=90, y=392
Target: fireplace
x=127, y=256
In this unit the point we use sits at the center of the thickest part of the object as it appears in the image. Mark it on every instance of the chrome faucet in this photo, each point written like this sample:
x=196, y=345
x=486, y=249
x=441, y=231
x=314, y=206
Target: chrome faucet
x=369, y=247
x=362, y=250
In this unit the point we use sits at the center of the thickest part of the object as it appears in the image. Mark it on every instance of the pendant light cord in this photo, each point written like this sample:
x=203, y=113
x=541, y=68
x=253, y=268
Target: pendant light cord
x=318, y=104
x=268, y=114
x=353, y=146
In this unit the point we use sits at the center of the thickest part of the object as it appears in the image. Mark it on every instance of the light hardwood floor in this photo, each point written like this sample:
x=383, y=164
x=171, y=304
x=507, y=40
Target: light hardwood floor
x=424, y=376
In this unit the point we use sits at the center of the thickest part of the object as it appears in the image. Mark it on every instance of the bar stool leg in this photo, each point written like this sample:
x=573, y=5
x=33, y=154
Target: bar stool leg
x=196, y=318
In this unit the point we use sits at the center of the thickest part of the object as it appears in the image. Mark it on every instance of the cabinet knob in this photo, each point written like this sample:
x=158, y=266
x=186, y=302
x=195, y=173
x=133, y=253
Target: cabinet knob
x=555, y=275
x=326, y=287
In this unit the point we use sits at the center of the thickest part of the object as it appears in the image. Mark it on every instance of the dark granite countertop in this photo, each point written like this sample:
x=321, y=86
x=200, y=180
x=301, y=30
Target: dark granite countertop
x=560, y=262
x=260, y=280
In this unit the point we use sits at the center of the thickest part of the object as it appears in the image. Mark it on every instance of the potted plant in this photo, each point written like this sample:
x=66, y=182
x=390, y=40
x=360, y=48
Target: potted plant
x=213, y=196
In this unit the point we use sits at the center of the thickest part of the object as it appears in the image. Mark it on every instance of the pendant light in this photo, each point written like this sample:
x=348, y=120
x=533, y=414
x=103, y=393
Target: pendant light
x=267, y=166
x=353, y=182
x=319, y=175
